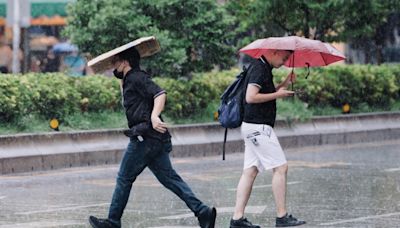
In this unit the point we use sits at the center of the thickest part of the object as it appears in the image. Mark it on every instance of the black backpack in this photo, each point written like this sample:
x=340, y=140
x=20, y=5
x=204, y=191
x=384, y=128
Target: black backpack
x=230, y=111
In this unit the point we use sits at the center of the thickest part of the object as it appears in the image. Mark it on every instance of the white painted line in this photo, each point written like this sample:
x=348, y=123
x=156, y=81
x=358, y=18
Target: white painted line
x=43, y=224
x=61, y=209
x=174, y=227
x=270, y=185
x=249, y=210
x=392, y=170
x=3, y=197
x=359, y=219
x=267, y=185
x=181, y=216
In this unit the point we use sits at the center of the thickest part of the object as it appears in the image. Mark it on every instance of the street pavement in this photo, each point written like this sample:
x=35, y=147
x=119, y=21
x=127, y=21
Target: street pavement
x=328, y=186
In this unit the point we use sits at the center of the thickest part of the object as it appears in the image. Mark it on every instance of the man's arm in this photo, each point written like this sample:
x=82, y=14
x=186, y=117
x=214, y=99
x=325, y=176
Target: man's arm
x=159, y=103
x=254, y=96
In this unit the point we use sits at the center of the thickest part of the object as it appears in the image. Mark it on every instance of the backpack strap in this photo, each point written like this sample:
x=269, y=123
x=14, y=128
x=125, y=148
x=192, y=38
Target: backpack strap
x=223, y=147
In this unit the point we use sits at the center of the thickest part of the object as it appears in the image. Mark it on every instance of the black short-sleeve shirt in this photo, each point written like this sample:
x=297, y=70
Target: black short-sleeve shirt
x=139, y=91
x=260, y=74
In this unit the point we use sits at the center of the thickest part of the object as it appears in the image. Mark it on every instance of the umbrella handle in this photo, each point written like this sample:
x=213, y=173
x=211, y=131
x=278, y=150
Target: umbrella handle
x=292, y=83
x=292, y=72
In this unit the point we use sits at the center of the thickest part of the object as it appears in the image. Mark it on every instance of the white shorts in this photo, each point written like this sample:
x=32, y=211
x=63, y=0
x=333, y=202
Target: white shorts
x=262, y=148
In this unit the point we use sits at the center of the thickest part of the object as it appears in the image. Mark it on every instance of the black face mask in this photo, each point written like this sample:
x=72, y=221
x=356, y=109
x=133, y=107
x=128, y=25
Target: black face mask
x=118, y=74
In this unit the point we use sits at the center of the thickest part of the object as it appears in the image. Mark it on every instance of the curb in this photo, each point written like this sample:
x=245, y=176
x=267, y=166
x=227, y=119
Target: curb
x=47, y=151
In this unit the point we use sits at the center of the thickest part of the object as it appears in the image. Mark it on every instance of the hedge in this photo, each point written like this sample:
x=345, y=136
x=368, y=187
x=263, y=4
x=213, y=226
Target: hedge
x=375, y=86
x=57, y=95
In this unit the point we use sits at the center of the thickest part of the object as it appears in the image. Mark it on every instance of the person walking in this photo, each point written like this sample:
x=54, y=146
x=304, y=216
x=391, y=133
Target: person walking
x=150, y=143
x=51, y=63
x=262, y=148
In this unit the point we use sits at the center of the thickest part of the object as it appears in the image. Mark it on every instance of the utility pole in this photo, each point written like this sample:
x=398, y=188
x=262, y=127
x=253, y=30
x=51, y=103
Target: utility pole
x=16, y=38
x=18, y=15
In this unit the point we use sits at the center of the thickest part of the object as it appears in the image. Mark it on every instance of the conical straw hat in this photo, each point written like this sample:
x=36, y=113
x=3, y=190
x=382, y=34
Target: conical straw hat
x=146, y=46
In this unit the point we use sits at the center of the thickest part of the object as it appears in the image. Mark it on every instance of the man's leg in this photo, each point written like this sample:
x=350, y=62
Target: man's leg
x=279, y=189
x=132, y=164
x=243, y=191
x=283, y=219
x=164, y=172
x=162, y=168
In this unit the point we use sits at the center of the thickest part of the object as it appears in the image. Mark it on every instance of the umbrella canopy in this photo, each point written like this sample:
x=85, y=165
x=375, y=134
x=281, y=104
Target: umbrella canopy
x=307, y=52
x=146, y=46
x=42, y=42
x=64, y=47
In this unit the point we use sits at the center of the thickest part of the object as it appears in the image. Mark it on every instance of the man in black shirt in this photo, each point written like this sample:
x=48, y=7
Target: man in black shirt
x=262, y=148
x=149, y=144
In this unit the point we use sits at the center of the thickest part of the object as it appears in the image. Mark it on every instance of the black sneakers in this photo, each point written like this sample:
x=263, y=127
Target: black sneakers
x=242, y=223
x=288, y=220
x=101, y=223
x=207, y=217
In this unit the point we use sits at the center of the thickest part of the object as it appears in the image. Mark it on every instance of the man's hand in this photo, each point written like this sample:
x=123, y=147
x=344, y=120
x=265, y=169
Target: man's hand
x=158, y=125
x=289, y=79
x=282, y=92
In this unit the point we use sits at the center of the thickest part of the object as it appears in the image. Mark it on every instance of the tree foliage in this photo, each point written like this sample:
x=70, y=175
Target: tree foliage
x=193, y=34
x=365, y=25
x=201, y=34
x=315, y=19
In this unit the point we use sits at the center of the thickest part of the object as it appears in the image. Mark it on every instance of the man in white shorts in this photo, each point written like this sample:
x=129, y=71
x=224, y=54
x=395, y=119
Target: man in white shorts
x=262, y=148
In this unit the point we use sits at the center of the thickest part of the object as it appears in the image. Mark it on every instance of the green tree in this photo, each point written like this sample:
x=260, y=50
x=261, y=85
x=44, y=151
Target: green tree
x=248, y=26
x=192, y=34
x=315, y=19
x=365, y=25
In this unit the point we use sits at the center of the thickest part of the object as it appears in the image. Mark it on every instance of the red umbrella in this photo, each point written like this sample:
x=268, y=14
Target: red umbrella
x=306, y=52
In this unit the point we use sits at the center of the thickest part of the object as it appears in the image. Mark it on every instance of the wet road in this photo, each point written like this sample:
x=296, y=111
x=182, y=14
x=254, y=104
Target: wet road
x=331, y=186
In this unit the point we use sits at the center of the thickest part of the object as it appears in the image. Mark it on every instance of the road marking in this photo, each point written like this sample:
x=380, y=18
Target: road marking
x=61, y=172
x=359, y=219
x=174, y=227
x=267, y=185
x=392, y=170
x=42, y=224
x=3, y=197
x=61, y=209
x=249, y=210
x=317, y=165
x=270, y=185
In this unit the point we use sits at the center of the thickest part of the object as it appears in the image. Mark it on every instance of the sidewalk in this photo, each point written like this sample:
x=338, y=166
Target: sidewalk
x=32, y=152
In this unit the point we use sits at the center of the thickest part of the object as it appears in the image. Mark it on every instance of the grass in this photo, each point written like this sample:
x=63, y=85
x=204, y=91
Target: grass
x=288, y=109
x=292, y=108
x=202, y=116
x=79, y=121
x=361, y=108
x=102, y=120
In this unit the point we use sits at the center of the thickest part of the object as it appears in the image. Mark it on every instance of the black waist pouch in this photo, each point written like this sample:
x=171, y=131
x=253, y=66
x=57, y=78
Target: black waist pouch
x=145, y=130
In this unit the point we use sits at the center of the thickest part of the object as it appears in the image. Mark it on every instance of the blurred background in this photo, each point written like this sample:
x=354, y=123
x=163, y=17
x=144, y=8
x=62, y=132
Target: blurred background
x=45, y=46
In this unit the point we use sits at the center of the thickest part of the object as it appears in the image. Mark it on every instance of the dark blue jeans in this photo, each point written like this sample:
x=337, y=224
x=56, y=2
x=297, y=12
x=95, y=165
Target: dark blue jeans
x=155, y=155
